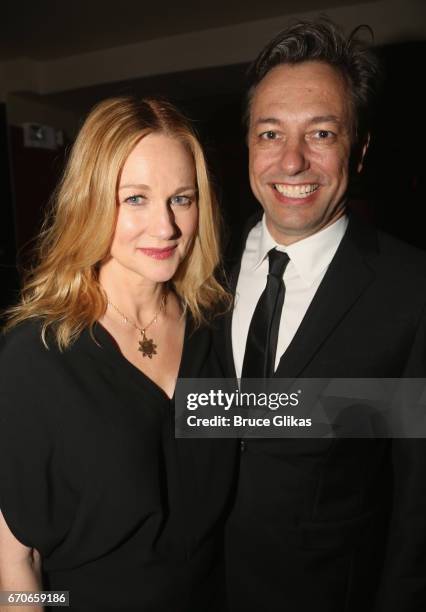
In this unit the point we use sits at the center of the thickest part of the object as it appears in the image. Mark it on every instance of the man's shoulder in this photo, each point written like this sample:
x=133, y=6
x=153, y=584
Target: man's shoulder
x=394, y=244
x=399, y=272
x=404, y=258
x=384, y=252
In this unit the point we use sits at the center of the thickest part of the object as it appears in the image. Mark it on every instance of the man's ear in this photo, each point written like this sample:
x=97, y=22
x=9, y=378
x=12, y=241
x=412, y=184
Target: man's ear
x=364, y=150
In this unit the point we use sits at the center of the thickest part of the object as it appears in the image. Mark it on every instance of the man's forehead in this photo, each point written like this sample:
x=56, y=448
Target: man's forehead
x=307, y=73
x=310, y=88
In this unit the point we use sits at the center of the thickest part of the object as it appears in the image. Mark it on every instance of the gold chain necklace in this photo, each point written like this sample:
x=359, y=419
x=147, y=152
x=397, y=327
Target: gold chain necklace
x=146, y=345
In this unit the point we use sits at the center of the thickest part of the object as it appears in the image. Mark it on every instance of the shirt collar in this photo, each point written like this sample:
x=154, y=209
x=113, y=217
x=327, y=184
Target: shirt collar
x=310, y=256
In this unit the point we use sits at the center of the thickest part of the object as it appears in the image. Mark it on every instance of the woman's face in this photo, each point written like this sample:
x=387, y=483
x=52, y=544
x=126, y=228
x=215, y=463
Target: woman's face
x=158, y=214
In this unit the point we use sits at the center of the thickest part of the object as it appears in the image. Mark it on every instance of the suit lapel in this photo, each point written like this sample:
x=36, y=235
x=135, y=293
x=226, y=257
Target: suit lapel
x=347, y=277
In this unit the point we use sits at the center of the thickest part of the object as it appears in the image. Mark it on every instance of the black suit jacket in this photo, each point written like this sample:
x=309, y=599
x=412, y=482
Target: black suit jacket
x=338, y=525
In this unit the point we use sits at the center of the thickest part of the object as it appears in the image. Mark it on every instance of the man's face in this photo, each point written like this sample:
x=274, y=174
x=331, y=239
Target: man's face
x=299, y=146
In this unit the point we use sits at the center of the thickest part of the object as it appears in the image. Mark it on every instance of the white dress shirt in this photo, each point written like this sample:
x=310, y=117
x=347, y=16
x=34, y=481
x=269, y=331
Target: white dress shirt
x=309, y=260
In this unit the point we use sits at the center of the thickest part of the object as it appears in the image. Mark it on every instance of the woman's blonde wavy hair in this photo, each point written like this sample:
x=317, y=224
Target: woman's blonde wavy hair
x=62, y=288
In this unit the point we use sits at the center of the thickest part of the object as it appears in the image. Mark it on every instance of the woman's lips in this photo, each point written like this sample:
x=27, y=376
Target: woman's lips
x=159, y=253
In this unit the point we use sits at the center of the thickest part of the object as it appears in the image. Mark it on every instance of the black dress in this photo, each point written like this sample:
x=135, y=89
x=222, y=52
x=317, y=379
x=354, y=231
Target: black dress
x=124, y=515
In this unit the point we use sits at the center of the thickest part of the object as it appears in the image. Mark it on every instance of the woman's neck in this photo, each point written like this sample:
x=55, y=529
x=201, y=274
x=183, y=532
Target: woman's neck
x=138, y=299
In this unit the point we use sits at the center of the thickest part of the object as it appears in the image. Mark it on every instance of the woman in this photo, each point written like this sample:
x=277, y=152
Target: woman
x=92, y=480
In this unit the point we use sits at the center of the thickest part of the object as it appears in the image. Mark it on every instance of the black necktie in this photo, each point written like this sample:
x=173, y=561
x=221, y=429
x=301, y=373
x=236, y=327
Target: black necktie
x=262, y=339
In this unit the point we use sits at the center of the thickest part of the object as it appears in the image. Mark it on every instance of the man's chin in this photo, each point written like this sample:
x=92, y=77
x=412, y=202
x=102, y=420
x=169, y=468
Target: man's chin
x=291, y=230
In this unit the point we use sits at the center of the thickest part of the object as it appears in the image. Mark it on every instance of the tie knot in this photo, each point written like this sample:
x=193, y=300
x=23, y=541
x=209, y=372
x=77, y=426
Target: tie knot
x=277, y=262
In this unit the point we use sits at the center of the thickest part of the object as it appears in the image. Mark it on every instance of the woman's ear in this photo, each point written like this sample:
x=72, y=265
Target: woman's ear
x=364, y=150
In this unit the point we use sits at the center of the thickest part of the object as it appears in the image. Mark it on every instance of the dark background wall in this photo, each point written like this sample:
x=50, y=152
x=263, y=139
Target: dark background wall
x=395, y=177
x=8, y=276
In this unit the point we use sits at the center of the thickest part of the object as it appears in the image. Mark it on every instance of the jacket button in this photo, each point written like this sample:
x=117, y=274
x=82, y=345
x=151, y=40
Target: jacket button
x=242, y=445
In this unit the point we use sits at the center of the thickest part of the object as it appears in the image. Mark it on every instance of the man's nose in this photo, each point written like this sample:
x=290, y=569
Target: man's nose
x=294, y=156
x=162, y=222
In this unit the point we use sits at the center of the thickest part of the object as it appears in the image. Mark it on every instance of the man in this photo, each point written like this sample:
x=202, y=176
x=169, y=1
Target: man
x=330, y=525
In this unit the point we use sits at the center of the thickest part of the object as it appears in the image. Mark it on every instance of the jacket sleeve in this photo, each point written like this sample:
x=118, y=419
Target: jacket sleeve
x=403, y=583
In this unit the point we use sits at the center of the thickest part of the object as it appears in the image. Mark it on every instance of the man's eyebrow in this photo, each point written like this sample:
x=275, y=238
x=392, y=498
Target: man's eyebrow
x=273, y=121
x=269, y=120
x=325, y=119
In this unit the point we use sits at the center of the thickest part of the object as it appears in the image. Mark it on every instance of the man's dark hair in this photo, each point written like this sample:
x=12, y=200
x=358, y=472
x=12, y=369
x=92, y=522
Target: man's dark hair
x=323, y=41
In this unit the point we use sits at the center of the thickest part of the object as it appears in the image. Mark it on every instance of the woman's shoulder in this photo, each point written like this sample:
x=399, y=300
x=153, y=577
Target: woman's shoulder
x=31, y=372
x=22, y=371
x=23, y=339
x=23, y=351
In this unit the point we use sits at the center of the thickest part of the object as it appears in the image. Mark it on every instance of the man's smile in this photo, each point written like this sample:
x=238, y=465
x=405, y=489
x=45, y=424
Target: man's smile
x=296, y=191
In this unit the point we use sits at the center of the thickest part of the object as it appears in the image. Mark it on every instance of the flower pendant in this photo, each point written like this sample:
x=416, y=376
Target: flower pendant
x=147, y=346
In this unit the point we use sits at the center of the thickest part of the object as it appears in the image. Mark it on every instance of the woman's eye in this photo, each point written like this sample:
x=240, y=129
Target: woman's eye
x=181, y=200
x=135, y=199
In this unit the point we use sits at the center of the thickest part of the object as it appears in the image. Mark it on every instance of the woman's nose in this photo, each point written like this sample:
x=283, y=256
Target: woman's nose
x=162, y=222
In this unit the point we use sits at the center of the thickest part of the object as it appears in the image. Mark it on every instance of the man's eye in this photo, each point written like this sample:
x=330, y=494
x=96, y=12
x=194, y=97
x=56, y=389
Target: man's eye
x=269, y=135
x=180, y=200
x=324, y=134
x=135, y=200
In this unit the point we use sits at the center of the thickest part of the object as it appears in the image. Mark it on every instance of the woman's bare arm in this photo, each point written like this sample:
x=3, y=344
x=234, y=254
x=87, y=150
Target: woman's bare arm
x=20, y=567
